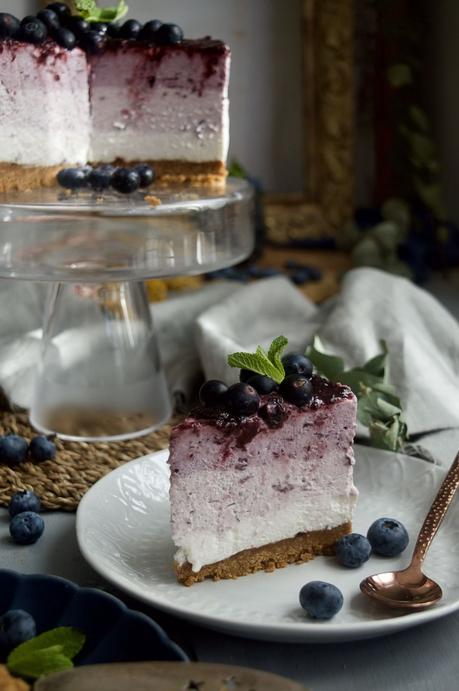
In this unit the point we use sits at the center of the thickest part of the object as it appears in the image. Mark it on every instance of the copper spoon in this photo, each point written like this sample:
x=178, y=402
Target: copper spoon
x=410, y=588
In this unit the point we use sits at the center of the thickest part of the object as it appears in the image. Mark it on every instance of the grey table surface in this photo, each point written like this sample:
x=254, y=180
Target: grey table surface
x=423, y=658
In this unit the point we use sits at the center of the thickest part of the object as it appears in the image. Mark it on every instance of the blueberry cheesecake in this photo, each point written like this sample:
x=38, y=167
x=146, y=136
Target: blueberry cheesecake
x=75, y=91
x=262, y=470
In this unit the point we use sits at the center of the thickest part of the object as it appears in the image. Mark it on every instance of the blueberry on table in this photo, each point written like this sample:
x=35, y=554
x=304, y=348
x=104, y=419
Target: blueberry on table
x=262, y=384
x=60, y=8
x=13, y=449
x=146, y=174
x=353, y=550
x=169, y=33
x=387, y=537
x=9, y=25
x=42, y=449
x=65, y=38
x=49, y=18
x=149, y=31
x=296, y=389
x=295, y=363
x=212, y=392
x=73, y=178
x=16, y=627
x=92, y=42
x=33, y=30
x=130, y=29
x=242, y=399
x=24, y=500
x=26, y=527
x=125, y=180
x=321, y=600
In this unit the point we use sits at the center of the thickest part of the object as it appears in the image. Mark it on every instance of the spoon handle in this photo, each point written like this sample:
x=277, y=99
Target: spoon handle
x=436, y=512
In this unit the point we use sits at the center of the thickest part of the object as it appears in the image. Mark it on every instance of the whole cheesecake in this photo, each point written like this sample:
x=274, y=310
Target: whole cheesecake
x=264, y=490
x=128, y=101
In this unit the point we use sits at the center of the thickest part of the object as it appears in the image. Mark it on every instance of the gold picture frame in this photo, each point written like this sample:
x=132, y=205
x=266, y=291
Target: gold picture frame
x=327, y=200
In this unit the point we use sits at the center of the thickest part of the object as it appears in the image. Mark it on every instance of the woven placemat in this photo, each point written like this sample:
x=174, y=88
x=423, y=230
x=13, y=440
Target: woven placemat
x=61, y=483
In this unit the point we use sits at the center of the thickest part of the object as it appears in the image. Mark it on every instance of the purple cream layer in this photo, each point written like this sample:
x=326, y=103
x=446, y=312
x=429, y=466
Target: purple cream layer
x=237, y=484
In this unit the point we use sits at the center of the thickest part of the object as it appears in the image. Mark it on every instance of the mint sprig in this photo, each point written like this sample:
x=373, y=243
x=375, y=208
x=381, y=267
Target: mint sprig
x=49, y=652
x=89, y=10
x=379, y=407
x=268, y=363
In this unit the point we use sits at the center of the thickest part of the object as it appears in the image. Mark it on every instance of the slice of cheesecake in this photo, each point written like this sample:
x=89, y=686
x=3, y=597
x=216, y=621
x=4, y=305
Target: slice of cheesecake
x=262, y=491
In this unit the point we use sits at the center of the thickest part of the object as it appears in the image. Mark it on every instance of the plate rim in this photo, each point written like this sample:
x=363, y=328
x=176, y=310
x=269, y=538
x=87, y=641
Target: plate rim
x=318, y=632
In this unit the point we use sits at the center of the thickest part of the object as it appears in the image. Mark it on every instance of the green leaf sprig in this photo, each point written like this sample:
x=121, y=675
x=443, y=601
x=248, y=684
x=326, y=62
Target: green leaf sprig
x=49, y=652
x=267, y=363
x=89, y=10
x=379, y=408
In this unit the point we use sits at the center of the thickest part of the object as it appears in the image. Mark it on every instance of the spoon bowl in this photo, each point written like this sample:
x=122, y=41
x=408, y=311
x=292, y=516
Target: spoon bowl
x=410, y=589
x=395, y=590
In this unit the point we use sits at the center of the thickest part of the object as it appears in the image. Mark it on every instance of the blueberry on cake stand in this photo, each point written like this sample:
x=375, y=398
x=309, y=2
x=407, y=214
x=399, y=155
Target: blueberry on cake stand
x=100, y=376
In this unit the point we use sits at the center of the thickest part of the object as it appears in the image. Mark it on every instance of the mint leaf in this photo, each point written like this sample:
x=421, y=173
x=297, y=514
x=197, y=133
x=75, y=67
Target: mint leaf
x=51, y=651
x=275, y=350
x=268, y=364
x=89, y=10
x=330, y=366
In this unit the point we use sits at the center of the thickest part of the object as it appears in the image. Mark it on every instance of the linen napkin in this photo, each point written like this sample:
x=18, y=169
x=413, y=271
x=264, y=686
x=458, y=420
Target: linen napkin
x=422, y=337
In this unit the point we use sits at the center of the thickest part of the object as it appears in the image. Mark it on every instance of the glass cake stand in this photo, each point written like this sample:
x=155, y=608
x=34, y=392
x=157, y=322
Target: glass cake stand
x=100, y=376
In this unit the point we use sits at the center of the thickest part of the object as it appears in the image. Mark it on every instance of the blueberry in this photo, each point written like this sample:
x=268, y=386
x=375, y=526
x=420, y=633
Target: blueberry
x=212, y=392
x=125, y=180
x=26, y=527
x=24, y=501
x=168, y=33
x=16, y=627
x=149, y=31
x=13, y=449
x=130, y=29
x=100, y=27
x=92, y=42
x=101, y=178
x=49, y=18
x=33, y=30
x=42, y=449
x=295, y=363
x=321, y=600
x=242, y=399
x=113, y=30
x=65, y=38
x=246, y=374
x=60, y=8
x=263, y=384
x=388, y=537
x=296, y=389
x=353, y=550
x=77, y=25
x=73, y=178
x=146, y=174
x=9, y=25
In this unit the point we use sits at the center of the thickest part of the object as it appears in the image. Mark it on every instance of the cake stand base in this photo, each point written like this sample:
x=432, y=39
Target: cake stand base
x=100, y=377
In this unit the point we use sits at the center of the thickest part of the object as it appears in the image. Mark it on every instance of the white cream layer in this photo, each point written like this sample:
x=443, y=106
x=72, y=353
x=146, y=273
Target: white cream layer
x=319, y=512
x=44, y=106
x=165, y=127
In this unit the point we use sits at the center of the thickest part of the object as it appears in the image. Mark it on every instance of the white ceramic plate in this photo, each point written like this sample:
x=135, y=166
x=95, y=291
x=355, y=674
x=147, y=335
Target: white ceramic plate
x=123, y=532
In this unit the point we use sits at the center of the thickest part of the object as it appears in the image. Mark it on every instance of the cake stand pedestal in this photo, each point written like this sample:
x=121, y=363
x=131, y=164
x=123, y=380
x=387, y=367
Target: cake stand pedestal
x=100, y=376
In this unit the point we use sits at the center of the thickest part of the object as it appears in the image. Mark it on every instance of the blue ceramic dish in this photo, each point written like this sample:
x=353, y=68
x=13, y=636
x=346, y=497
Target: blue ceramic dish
x=113, y=632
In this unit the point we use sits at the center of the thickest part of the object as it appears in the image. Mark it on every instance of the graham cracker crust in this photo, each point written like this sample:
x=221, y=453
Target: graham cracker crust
x=294, y=550
x=14, y=177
